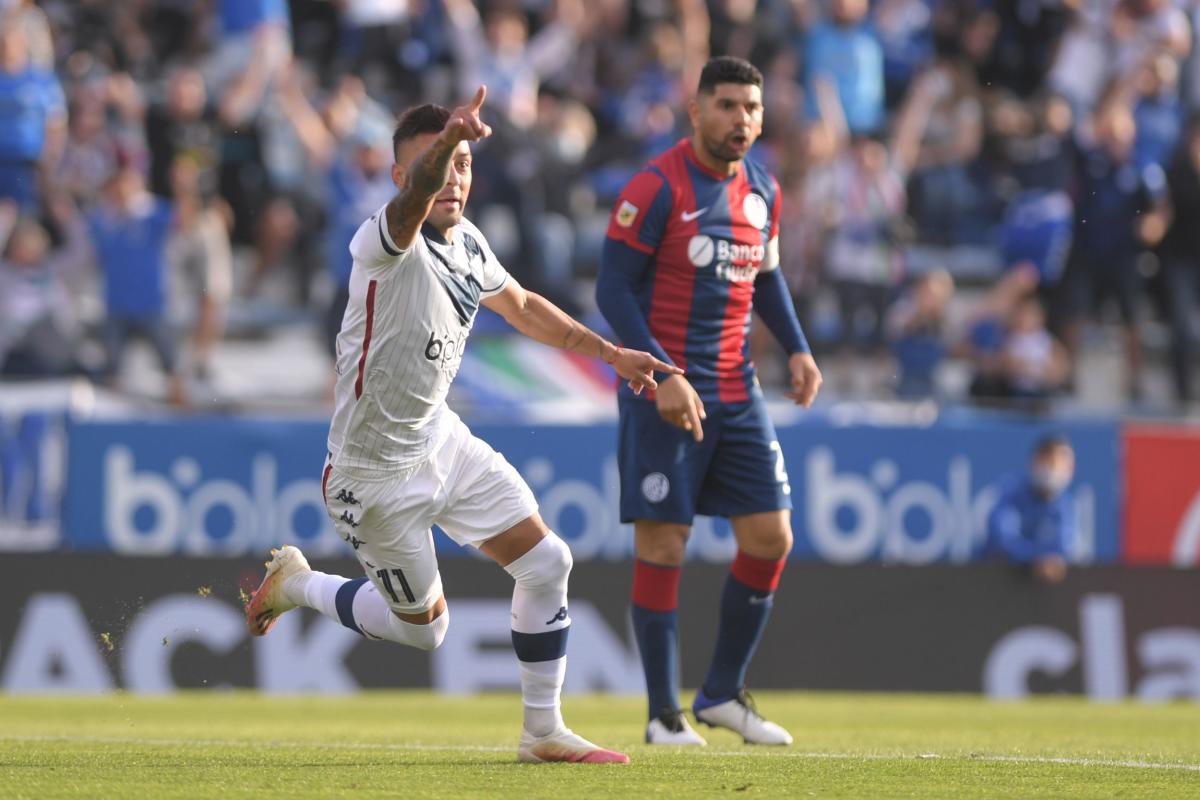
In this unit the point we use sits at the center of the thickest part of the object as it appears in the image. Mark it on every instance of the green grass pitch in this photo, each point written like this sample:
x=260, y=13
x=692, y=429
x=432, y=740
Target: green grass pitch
x=417, y=745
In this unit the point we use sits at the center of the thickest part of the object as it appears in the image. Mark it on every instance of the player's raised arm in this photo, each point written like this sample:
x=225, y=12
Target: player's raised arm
x=541, y=320
x=423, y=180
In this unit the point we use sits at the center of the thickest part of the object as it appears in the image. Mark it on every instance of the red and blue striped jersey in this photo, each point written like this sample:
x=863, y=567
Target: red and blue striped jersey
x=709, y=235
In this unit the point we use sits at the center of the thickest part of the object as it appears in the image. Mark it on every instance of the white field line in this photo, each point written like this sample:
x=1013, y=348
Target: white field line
x=705, y=752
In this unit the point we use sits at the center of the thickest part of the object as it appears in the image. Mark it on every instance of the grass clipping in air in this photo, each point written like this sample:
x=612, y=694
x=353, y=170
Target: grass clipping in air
x=417, y=744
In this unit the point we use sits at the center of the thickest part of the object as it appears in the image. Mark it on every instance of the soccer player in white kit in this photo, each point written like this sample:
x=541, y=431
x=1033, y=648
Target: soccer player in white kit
x=401, y=461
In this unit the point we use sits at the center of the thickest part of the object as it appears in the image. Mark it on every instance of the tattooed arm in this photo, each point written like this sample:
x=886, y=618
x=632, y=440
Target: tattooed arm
x=541, y=320
x=428, y=173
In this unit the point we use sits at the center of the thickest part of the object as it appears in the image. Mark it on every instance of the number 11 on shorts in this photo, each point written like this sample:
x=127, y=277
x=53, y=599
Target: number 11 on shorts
x=386, y=580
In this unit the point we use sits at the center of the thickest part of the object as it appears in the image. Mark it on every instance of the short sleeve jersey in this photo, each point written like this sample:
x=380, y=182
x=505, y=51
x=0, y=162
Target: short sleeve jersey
x=709, y=235
x=402, y=340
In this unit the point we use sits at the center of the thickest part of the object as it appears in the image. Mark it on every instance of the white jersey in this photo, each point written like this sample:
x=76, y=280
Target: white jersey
x=402, y=341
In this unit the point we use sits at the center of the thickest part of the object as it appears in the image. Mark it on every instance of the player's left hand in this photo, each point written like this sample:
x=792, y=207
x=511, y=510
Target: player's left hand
x=638, y=368
x=806, y=379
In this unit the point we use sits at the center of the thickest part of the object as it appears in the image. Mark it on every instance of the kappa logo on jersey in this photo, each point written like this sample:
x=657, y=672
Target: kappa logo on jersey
x=626, y=214
x=755, y=210
x=347, y=497
x=561, y=616
x=349, y=519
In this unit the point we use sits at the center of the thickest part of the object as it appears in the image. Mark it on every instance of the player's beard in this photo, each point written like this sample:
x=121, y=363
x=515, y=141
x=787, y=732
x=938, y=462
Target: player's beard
x=443, y=219
x=725, y=150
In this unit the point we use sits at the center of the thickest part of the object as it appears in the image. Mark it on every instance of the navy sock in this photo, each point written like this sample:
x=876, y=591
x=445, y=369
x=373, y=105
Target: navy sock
x=657, y=635
x=656, y=627
x=745, y=608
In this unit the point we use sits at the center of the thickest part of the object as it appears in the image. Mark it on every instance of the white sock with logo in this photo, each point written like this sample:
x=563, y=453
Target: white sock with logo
x=539, y=630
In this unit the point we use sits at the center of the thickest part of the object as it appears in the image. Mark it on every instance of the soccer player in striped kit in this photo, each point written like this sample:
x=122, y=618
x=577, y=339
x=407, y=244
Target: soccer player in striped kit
x=401, y=461
x=694, y=241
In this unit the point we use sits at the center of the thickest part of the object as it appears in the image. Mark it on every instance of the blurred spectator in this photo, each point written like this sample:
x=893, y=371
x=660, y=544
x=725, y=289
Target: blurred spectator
x=845, y=51
x=916, y=327
x=1026, y=40
x=254, y=36
x=39, y=331
x=360, y=183
x=1035, y=170
x=106, y=126
x=905, y=33
x=1157, y=112
x=182, y=125
x=1033, y=523
x=200, y=252
x=129, y=233
x=499, y=52
x=1119, y=211
x=32, y=21
x=1033, y=364
x=378, y=36
x=859, y=199
x=34, y=112
x=1112, y=39
x=739, y=28
x=987, y=331
x=1181, y=250
x=945, y=201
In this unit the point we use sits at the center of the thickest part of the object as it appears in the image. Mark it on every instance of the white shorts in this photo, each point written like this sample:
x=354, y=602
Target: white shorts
x=465, y=487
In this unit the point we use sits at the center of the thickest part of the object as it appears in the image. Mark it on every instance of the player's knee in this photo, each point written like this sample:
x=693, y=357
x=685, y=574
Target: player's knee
x=424, y=635
x=661, y=542
x=786, y=540
x=776, y=545
x=547, y=562
x=430, y=635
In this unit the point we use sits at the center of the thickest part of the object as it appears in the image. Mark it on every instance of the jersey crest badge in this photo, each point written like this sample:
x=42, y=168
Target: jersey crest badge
x=626, y=214
x=755, y=210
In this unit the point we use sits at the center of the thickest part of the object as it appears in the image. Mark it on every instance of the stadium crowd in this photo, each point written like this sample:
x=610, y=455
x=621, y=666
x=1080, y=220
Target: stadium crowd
x=965, y=181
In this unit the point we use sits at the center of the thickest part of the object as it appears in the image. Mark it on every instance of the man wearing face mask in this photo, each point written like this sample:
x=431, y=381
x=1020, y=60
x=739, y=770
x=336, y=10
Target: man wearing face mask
x=1033, y=522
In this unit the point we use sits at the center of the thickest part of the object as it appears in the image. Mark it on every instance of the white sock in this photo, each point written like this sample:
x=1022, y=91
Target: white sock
x=372, y=614
x=375, y=617
x=541, y=686
x=314, y=590
x=540, y=624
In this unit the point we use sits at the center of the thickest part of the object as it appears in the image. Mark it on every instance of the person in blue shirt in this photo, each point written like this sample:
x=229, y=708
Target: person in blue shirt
x=1158, y=112
x=1033, y=523
x=33, y=110
x=847, y=53
x=916, y=325
x=130, y=232
x=1119, y=212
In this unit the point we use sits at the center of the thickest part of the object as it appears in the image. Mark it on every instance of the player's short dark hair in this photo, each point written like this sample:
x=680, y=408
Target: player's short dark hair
x=419, y=120
x=1049, y=443
x=727, y=69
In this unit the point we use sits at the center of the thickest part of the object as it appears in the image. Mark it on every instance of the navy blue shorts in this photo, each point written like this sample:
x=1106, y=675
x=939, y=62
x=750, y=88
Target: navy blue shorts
x=669, y=477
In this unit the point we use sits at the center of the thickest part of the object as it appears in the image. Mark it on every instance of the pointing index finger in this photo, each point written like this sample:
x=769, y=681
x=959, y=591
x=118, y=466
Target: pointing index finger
x=670, y=369
x=480, y=94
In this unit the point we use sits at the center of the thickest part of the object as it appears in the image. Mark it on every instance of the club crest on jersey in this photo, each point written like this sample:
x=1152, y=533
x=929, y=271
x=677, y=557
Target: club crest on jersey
x=755, y=210
x=626, y=214
x=656, y=487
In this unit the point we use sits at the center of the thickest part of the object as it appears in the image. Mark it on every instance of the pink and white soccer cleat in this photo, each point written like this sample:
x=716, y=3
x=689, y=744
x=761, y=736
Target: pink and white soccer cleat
x=269, y=600
x=564, y=745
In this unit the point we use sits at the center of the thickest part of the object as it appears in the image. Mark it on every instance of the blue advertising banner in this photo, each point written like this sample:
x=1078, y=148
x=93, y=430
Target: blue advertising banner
x=862, y=493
